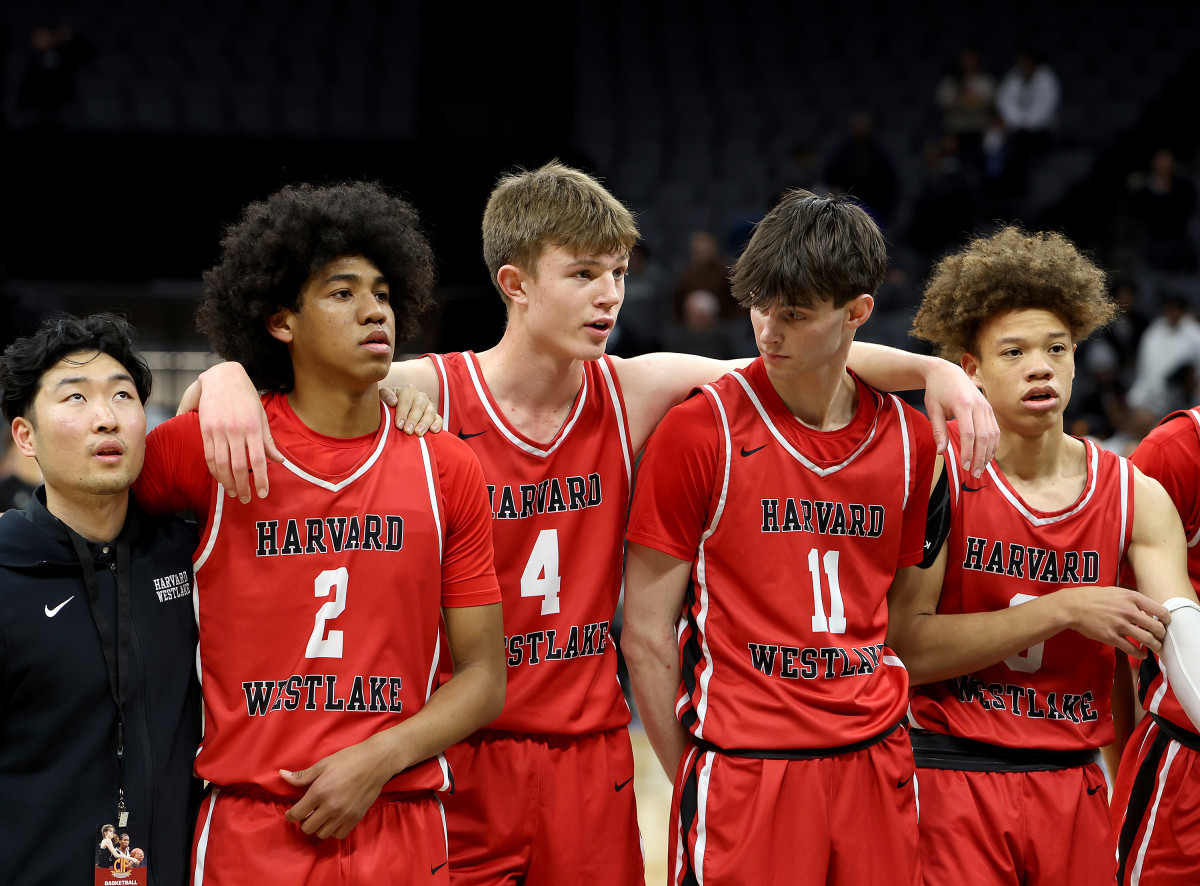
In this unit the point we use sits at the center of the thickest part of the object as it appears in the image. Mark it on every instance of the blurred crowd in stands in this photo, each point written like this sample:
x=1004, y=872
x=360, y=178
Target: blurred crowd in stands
x=975, y=171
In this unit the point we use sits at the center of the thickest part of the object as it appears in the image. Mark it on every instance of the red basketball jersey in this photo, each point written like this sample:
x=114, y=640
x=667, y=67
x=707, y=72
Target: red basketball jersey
x=795, y=536
x=319, y=607
x=1171, y=455
x=1001, y=552
x=558, y=520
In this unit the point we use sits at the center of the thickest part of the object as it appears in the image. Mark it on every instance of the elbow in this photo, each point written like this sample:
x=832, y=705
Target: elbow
x=495, y=692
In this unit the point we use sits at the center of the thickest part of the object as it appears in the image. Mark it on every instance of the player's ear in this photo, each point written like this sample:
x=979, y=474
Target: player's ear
x=23, y=436
x=279, y=325
x=970, y=365
x=859, y=310
x=511, y=280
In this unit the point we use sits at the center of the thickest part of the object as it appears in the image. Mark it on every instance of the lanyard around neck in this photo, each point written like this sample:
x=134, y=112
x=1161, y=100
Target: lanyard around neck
x=115, y=646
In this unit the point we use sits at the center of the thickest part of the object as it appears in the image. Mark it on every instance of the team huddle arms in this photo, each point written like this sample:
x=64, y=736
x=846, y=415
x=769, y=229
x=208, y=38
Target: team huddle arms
x=407, y=576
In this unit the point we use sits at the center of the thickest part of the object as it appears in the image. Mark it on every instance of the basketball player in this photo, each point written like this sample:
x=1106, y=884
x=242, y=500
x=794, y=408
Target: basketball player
x=544, y=794
x=1155, y=816
x=1011, y=628
x=778, y=711
x=319, y=606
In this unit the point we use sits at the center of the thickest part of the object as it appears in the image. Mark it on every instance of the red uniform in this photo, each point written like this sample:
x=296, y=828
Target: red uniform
x=1156, y=801
x=1049, y=704
x=319, y=607
x=795, y=537
x=547, y=799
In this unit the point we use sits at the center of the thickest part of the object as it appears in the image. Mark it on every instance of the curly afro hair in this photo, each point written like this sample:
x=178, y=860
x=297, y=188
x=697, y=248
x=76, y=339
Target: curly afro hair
x=279, y=243
x=1010, y=269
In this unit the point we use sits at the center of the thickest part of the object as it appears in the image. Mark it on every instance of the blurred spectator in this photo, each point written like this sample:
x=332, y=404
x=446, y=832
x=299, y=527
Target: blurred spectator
x=706, y=269
x=19, y=475
x=47, y=84
x=860, y=166
x=1028, y=100
x=1168, y=349
x=1029, y=96
x=702, y=331
x=1004, y=176
x=1164, y=201
x=965, y=96
x=942, y=211
x=645, y=312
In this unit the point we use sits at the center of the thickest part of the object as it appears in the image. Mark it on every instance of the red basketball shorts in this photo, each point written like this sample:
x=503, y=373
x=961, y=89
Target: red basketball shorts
x=544, y=810
x=243, y=839
x=1156, y=808
x=1044, y=828
x=841, y=820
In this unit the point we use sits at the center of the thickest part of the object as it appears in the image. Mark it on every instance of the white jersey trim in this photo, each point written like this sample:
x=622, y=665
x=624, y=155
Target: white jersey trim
x=701, y=567
x=211, y=541
x=1093, y=457
x=541, y=452
x=791, y=450
x=907, y=449
x=622, y=421
x=363, y=468
x=1195, y=416
x=1135, y=877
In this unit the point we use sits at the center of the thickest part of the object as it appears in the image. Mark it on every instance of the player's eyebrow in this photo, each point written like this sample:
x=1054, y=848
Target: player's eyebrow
x=80, y=379
x=351, y=277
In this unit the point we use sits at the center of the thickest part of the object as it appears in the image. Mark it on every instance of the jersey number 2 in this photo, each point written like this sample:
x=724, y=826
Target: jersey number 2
x=321, y=645
x=540, y=578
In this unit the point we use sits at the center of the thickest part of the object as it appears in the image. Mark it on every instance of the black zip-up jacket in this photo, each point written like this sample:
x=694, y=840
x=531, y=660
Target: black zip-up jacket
x=58, y=733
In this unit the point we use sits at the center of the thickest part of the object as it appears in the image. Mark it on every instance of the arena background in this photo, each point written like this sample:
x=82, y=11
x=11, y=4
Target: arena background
x=134, y=131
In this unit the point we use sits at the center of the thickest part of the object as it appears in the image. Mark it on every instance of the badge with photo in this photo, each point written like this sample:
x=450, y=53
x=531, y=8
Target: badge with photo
x=120, y=856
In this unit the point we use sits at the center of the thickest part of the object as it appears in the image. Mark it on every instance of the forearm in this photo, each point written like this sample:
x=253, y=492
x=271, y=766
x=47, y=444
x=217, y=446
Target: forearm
x=471, y=699
x=890, y=369
x=655, y=677
x=941, y=646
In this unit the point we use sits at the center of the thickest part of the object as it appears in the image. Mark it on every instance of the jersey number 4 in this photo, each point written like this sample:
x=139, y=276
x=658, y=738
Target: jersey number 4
x=320, y=644
x=540, y=578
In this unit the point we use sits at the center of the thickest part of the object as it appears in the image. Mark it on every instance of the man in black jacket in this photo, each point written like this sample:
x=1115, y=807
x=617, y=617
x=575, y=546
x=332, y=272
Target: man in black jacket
x=99, y=701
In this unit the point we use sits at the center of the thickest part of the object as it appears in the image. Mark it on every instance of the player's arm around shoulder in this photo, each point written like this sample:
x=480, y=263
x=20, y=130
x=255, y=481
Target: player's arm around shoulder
x=653, y=383
x=949, y=393
x=418, y=372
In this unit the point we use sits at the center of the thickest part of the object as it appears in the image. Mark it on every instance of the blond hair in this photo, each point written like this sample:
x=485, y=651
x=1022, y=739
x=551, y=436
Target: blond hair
x=554, y=205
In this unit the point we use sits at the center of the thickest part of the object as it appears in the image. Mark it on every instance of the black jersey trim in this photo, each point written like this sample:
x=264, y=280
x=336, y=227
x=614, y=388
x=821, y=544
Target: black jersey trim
x=932, y=750
x=937, y=520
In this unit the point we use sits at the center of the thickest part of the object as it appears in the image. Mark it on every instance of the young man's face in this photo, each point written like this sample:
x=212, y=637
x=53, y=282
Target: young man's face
x=1025, y=366
x=796, y=341
x=572, y=302
x=344, y=330
x=87, y=427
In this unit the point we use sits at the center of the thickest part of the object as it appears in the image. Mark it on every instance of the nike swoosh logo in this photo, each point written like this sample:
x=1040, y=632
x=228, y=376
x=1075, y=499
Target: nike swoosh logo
x=625, y=782
x=465, y=436
x=1092, y=791
x=966, y=488
x=50, y=613
x=901, y=784
x=438, y=868
x=746, y=451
